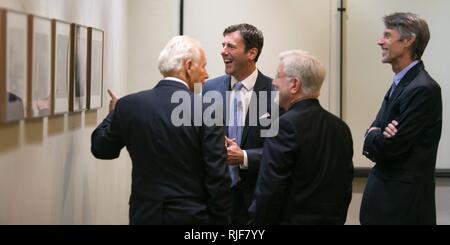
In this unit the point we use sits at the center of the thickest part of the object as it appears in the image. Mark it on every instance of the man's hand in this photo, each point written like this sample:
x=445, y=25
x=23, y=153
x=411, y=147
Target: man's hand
x=235, y=154
x=113, y=101
x=391, y=129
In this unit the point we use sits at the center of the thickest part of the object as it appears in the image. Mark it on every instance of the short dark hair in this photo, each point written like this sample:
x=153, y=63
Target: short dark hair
x=408, y=25
x=253, y=38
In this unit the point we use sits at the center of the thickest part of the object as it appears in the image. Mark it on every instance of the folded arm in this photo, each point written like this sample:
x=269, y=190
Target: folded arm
x=397, y=138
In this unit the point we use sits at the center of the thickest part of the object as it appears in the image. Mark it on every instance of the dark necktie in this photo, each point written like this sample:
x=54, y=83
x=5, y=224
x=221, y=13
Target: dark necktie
x=392, y=89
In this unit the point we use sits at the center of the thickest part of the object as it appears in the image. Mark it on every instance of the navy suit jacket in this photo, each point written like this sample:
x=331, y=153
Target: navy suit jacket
x=251, y=140
x=400, y=188
x=307, y=170
x=179, y=174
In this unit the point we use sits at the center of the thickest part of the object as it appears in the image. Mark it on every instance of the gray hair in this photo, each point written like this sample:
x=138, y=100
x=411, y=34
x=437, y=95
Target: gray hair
x=306, y=67
x=408, y=25
x=176, y=51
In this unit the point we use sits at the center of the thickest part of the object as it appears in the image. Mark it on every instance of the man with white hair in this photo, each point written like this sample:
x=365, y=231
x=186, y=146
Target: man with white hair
x=307, y=170
x=180, y=174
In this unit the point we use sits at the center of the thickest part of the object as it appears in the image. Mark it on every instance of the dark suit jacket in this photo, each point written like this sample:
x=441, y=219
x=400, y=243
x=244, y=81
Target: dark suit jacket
x=180, y=174
x=400, y=188
x=251, y=142
x=307, y=170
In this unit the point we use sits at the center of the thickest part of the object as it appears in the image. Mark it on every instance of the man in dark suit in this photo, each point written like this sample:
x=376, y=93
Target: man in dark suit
x=307, y=170
x=242, y=47
x=403, y=140
x=180, y=174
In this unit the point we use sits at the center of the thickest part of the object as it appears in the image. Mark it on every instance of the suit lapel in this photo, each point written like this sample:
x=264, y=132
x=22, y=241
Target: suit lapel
x=259, y=86
x=225, y=86
x=406, y=80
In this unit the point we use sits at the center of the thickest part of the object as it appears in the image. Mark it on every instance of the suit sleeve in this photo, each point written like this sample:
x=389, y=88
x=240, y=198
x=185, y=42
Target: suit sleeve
x=276, y=168
x=217, y=176
x=254, y=159
x=106, y=140
x=415, y=113
x=254, y=155
x=377, y=122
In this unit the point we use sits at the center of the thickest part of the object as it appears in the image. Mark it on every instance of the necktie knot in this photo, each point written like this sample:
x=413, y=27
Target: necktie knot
x=391, y=91
x=238, y=86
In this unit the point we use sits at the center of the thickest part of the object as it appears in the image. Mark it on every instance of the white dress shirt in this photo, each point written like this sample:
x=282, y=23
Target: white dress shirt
x=246, y=95
x=176, y=80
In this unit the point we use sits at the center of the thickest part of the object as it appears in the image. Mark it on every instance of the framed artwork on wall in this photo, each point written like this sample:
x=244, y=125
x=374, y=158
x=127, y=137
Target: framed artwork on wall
x=39, y=66
x=61, y=63
x=13, y=65
x=95, y=68
x=79, y=57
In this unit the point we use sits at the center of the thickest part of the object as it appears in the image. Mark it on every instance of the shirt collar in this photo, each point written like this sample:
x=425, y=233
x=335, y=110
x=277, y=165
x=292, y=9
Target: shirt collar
x=177, y=80
x=402, y=73
x=248, y=82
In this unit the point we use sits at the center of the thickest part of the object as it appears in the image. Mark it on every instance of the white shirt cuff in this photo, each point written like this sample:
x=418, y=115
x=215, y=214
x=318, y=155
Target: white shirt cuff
x=244, y=165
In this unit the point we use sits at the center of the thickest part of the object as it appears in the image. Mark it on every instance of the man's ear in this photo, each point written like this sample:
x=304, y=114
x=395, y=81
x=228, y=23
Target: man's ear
x=409, y=42
x=188, y=65
x=187, y=73
x=252, y=53
x=296, y=85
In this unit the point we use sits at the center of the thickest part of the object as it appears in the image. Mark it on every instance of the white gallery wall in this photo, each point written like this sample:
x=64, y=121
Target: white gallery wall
x=366, y=79
x=286, y=24
x=47, y=173
x=151, y=24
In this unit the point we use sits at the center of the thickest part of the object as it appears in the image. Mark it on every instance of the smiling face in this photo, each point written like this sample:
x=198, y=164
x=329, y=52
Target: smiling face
x=238, y=62
x=394, y=50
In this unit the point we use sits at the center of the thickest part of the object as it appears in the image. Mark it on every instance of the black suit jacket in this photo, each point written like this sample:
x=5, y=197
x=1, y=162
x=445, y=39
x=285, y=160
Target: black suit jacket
x=180, y=174
x=251, y=140
x=307, y=170
x=400, y=188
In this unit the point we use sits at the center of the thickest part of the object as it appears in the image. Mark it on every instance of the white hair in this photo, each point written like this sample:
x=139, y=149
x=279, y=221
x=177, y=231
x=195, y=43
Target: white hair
x=176, y=51
x=306, y=67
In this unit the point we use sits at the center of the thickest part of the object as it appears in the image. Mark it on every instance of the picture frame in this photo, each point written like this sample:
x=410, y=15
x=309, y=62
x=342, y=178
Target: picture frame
x=39, y=66
x=13, y=65
x=61, y=65
x=95, y=68
x=78, y=78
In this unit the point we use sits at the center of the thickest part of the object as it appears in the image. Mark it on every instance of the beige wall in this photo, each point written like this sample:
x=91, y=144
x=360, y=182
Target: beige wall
x=151, y=24
x=47, y=173
x=366, y=79
x=287, y=24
